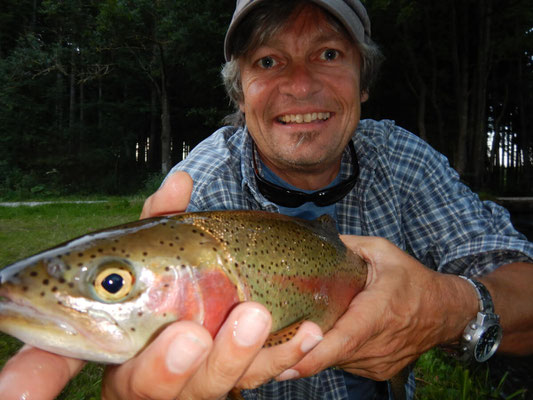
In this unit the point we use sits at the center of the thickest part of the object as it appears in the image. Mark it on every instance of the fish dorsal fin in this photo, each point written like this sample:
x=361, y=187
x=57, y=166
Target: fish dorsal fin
x=325, y=226
x=328, y=223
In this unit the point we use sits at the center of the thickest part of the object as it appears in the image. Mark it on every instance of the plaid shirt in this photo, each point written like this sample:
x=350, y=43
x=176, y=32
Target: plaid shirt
x=406, y=192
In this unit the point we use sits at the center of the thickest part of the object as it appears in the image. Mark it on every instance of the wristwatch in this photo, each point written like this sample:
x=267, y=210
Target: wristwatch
x=482, y=335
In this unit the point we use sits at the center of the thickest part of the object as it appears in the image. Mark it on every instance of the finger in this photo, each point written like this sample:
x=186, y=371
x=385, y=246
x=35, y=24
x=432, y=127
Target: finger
x=350, y=332
x=236, y=345
x=36, y=374
x=163, y=368
x=171, y=198
x=277, y=361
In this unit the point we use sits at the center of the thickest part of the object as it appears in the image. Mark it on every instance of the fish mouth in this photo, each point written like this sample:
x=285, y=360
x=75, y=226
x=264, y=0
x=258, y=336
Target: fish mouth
x=21, y=312
x=54, y=333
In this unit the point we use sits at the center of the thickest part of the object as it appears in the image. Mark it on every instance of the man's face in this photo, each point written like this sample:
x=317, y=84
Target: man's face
x=302, y=97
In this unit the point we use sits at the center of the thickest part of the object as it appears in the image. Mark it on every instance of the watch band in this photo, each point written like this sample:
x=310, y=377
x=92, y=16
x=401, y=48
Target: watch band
x=485, y=299
x=483, y=334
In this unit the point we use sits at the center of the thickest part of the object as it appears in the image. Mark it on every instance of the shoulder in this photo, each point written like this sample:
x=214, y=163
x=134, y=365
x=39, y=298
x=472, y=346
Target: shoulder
x=385, y=145
x=215, y=167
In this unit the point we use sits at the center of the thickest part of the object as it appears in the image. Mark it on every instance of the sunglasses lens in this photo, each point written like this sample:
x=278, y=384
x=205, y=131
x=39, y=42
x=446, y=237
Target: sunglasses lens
x=292, y=198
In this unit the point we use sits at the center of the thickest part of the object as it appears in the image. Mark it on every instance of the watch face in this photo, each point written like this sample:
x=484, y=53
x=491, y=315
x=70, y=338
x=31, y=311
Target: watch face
x=487, y=344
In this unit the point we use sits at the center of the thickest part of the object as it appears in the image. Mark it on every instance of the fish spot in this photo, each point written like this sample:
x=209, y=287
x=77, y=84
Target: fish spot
x=33, y=273
x=46, y=282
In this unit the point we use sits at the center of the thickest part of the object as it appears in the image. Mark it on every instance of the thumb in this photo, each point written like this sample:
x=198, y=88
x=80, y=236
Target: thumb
x=172, y=197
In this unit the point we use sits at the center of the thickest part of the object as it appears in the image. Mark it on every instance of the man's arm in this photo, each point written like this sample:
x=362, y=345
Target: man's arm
x=511, y=288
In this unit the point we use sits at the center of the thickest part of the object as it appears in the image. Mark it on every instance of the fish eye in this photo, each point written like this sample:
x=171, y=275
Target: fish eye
x=113, y=282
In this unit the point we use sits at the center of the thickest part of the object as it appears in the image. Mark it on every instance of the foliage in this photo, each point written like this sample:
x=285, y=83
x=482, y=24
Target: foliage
x=439, y=377
x=95, y=94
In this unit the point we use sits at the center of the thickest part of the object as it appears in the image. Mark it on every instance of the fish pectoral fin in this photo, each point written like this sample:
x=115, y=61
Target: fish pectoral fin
x=398, y=382
x=235, y=394
x=284, y=334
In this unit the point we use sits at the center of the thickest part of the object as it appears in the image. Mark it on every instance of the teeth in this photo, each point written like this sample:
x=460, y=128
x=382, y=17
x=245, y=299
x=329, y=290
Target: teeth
x=304, y=118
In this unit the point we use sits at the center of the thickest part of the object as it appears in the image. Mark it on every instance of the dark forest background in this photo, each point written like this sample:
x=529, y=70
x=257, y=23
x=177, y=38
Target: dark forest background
x=103, y=95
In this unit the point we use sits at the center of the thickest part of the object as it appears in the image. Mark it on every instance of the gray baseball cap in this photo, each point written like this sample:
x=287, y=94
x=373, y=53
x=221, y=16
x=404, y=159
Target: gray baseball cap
x=351, y=13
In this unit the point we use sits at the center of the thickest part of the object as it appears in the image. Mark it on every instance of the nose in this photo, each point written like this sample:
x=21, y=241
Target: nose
x=300, y=82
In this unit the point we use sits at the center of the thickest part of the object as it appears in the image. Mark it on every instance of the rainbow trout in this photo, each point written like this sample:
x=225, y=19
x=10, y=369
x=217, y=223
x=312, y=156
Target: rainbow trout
x=103, y=296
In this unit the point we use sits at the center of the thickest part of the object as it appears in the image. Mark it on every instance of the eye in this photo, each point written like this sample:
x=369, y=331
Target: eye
x=329, y=55
x=267, y=62
x=113, y=282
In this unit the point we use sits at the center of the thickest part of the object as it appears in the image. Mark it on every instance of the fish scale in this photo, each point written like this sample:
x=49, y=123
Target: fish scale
x=105, y=295
x=194, y=266
x=304, y=260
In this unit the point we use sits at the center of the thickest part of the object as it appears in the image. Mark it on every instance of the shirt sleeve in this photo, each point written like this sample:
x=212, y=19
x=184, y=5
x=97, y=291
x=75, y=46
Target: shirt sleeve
x=446, y=225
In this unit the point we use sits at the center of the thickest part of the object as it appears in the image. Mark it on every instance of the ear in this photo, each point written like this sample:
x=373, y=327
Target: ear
x=241, y=106
x=364, y=96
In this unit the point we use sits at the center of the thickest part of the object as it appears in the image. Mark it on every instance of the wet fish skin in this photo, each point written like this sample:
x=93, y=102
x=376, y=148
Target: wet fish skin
x=194, y=266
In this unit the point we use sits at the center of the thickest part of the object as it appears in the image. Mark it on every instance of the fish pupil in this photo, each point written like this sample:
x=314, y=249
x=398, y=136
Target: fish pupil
x=113, y=283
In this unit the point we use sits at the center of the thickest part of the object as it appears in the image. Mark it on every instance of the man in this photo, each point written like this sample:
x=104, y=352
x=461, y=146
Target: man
x=298, y=72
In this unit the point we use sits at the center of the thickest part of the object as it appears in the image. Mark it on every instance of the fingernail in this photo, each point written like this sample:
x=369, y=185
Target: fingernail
x=248, y=328
x=310, y=342
x=183, y=352
x=288, y=374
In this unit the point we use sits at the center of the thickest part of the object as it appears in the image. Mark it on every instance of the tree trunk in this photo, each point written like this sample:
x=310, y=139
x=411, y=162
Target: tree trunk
x=73, y=145
x=72, y=102
x=154, y=142
x=166, y=156
x=479, y=148
x=461, y=80
x=82, y=119
x=100, y=103
x=166, y=161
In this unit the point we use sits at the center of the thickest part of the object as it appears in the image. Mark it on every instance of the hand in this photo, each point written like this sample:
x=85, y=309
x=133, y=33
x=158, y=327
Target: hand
x=184, y=362
x=171, y=198
x=404, y=310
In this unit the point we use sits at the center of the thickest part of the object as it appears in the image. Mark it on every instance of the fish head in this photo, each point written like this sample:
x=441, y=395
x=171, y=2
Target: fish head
x=104, y=296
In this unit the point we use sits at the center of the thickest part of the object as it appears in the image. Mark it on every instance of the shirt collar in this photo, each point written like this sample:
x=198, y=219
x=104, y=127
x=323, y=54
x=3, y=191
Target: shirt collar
x=247, y=170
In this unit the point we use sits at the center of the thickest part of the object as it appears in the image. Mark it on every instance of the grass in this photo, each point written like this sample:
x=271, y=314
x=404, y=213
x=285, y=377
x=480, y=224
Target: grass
x=440, y=377
x=27, y=230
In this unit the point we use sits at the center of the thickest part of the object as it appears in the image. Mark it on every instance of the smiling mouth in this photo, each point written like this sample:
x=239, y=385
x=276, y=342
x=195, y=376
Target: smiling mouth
x=303, y=118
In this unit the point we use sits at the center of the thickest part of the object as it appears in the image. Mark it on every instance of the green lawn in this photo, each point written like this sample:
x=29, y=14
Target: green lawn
x=27, y=230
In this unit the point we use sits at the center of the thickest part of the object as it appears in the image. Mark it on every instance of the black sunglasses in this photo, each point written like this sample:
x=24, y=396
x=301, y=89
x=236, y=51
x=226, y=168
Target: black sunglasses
x=294, y=198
